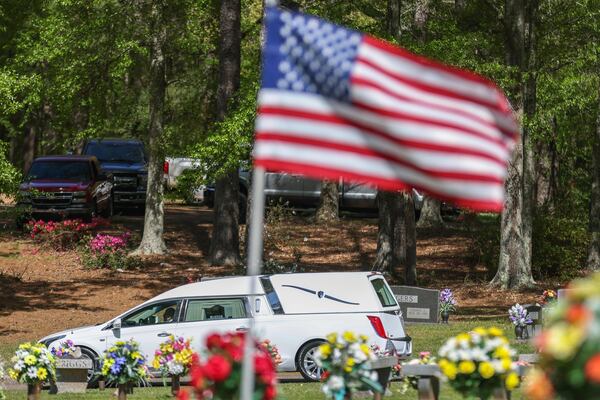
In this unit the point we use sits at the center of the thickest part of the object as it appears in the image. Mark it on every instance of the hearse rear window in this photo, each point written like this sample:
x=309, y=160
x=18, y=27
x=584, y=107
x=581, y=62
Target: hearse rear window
x=386, y=298
x=208, y=310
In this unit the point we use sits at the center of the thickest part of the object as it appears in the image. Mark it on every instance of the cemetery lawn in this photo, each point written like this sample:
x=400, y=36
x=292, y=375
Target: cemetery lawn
x=288, y=391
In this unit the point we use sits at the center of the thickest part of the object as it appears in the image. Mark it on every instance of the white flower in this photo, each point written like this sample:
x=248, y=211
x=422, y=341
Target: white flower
x=32, y=372
x=335, y=382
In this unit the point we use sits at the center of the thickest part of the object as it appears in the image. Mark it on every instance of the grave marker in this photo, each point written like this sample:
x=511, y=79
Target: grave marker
x=535, y=314
x=71, y=374
x=418, y=304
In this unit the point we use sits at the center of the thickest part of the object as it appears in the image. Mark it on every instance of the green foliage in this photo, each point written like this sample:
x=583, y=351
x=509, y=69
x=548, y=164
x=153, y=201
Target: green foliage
x=559, y=245
x=9, y=176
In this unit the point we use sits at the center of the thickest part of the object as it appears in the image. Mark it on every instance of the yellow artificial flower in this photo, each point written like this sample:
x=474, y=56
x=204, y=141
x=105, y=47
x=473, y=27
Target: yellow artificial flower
x=512, y=381
x=506, y=363
x=364, y=338
x=25, y=346
x=480, y=331
x=30, y=359
x=42, y=373
x=36, y=351
x=463, y=337
x=349, y=337
x=563, y=340
x=365, y=349
x=14, y=375
x=486, y=370
x=350, y=362
x=501, y=352
x=493, y=331
x=325, y=350
x=332, y=338
x=156, y=363
x=449, y=369
x=136, y=355
x=120, y=343
x=466, y=367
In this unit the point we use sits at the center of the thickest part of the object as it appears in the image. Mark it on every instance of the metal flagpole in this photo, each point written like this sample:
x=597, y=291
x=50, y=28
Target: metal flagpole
x=255, y=245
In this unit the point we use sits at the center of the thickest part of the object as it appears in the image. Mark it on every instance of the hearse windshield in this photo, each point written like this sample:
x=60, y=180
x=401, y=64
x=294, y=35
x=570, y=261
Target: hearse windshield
x=60, y=170
x=116, y=152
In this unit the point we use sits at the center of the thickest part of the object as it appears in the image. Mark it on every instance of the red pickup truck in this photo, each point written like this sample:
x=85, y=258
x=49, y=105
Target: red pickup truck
x=67, y=186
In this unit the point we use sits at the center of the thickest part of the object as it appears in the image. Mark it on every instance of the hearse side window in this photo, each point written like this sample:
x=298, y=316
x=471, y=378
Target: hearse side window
x=383, y=293
x=272, y=297
x=158, y=313
x=208, y=310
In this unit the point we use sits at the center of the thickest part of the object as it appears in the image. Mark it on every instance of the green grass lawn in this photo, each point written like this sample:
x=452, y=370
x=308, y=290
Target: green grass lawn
x=425, y=338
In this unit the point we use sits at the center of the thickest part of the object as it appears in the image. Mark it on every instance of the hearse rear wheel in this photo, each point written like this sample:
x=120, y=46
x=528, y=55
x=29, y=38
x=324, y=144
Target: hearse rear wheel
x=307, y=363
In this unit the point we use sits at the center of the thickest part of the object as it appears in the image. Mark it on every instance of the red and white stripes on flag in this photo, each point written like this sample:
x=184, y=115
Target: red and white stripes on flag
x=336, y=103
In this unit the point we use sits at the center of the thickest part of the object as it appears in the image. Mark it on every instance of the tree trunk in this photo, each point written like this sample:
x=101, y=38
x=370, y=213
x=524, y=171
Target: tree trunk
x=29, y=145
x=593, y=259
x=547, y=171
x=387, y=203
x=224, y=245
x=393, y=19
x=431, y=213
x=420, y=21
x=152, y=239
x=328, y=209
x=410, y=263
x=514, y=266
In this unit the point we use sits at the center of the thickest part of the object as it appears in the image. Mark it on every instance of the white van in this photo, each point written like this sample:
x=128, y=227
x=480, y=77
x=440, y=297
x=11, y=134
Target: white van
x=294, y=311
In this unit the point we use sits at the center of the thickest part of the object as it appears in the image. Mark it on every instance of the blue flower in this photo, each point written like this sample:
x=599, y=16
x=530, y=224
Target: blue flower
x=115, y=369
x=120, y=360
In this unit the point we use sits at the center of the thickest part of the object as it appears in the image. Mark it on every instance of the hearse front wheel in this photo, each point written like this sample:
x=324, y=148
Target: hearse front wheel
x=307, y=363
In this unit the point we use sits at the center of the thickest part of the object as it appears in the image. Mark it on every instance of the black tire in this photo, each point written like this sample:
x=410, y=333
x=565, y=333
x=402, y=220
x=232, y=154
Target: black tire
x=92, y=373
x=109, y=210
x=305, y=362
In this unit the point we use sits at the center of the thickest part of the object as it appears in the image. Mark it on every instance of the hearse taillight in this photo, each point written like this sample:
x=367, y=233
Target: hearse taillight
x=377, y=325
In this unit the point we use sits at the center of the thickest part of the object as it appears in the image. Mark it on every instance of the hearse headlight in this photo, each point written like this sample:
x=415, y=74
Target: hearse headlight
x=46, y=342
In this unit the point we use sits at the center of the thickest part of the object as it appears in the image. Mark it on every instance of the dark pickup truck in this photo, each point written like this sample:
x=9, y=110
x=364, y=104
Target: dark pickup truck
x=126, y=160
x=66, y=186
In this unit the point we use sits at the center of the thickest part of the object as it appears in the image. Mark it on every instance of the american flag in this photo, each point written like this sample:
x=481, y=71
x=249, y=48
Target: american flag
x=337, y=103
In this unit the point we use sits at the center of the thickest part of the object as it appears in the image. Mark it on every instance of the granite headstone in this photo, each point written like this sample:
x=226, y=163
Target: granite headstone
x=418, y=304
x=71, y=374
x=534, y=311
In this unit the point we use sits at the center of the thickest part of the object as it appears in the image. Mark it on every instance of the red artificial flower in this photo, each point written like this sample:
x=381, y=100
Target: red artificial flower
x=325, y=375
x=270, y=392
x=214, y=341
x=183, y=395
x=263, y=367
x=217, y=368
x=577, y=314
x=236, y=352
x=592, y=368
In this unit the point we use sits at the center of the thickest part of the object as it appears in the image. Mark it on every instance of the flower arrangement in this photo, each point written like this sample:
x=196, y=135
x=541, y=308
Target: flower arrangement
x=107, y=251
x=174, y=357
x=378, y=352
x=66, y=348
x=33, y=363
x=123, y=363
x=344, y=359
x=273, y=351
x=518, y=315
x=219, y=376
x=61, y=235
x=569, y=346
x=548, y=296
x=447, y=301
x=424, y=358
x=2, y=396
x=479, y=362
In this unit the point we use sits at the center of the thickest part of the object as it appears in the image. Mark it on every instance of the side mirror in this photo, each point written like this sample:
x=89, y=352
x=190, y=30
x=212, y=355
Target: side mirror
x=116, y=327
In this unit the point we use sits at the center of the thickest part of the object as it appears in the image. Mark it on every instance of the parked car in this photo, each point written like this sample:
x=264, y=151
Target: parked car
x=174, y=167
x=72, y=186
x=294, y=311
x=298, y=190
x=126, y=159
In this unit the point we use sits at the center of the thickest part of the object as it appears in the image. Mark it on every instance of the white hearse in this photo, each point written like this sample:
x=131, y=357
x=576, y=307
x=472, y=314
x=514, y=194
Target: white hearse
x=294, y=311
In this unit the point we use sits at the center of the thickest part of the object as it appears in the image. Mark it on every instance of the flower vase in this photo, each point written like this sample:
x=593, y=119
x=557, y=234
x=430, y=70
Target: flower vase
x=123, y=390
x=34, y=390
x=175, y=386
x=101, y=385
x=519, y=330
x=445, y=316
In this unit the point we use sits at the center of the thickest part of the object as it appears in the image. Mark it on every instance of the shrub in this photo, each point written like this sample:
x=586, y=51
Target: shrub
x=62, y=235
x=107, y=251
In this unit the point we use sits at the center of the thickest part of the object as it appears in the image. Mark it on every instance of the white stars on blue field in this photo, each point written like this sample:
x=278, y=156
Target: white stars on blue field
x=311, y=55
